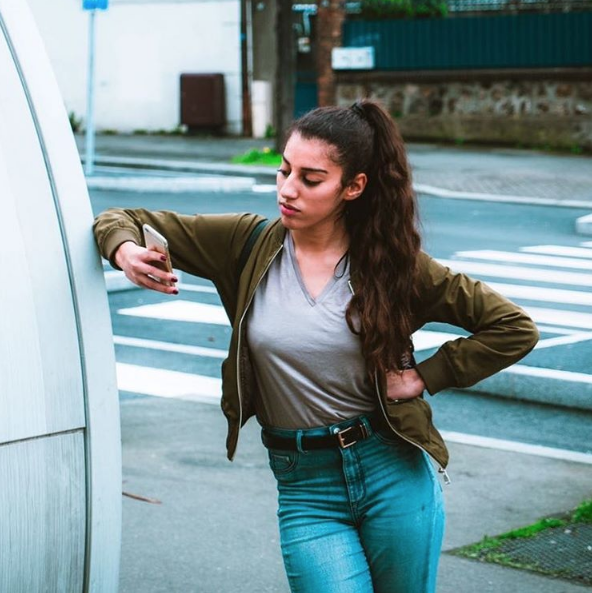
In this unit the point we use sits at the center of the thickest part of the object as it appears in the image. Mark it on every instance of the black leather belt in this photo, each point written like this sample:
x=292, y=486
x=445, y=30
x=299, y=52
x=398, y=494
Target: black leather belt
x=344, y=438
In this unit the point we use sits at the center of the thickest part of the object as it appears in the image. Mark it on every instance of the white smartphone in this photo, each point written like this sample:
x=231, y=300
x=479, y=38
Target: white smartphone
x=154, y=241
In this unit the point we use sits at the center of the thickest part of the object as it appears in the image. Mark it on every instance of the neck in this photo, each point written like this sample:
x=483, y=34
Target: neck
x=322, y=240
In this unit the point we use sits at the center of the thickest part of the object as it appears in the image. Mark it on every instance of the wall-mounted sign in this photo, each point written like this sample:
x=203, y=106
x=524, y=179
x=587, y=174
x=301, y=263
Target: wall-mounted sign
x=95, y=4
x=352, y=58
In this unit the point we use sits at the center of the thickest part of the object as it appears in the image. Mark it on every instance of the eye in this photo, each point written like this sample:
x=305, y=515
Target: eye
x=282, y=172
x=310, y=183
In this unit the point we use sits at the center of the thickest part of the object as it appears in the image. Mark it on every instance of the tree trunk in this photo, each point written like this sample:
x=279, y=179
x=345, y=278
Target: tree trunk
x=330, y=17
x=285, y=75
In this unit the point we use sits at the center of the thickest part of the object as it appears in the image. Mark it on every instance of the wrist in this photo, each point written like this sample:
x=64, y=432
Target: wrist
x=121, y=251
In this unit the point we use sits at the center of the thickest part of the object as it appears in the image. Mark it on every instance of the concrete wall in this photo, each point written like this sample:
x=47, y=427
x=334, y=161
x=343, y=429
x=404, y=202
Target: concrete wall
x=142, y=48
x=552, y=109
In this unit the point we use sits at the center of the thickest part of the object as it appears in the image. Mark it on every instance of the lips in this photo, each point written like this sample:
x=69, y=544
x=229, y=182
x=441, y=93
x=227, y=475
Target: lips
x=288, y=208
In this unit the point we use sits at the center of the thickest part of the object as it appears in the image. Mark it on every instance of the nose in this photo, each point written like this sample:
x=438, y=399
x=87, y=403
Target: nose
x=287, y=188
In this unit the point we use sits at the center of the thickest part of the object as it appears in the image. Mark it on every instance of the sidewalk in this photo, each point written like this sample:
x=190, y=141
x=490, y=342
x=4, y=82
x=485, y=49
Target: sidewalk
x=500, y=174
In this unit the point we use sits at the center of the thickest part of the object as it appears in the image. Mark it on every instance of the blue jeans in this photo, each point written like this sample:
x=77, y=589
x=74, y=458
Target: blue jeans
x=366, y=519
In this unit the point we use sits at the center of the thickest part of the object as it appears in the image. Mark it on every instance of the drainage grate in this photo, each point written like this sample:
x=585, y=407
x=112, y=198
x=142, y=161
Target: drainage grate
x=564, y=552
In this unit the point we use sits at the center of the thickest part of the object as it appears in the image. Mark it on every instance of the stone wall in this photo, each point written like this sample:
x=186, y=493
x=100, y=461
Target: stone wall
x=524, y=109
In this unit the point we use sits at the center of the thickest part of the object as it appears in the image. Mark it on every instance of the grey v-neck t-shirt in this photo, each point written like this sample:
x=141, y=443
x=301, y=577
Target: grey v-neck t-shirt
x=308, y=364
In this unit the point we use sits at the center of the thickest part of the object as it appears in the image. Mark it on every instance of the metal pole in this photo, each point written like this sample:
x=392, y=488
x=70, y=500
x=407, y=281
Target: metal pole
x=90, y=123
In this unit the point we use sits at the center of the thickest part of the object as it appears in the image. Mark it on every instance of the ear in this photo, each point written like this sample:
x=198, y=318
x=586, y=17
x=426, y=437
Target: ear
x=356, y=187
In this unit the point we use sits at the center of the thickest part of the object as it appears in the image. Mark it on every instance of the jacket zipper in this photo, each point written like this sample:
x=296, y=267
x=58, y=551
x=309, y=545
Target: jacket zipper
x=238, y=346
x=441, y=470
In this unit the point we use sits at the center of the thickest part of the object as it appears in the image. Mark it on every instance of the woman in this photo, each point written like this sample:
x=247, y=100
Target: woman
x=321, y=352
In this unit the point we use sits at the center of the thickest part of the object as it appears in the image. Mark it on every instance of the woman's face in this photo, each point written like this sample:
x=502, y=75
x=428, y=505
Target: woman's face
x=309, y=190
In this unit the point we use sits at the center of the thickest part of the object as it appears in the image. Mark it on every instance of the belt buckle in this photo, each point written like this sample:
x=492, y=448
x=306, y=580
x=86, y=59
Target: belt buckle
x=342, y=441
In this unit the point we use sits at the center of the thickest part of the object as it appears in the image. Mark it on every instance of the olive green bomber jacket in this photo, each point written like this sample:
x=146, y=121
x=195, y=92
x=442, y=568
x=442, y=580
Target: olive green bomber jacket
x=209, y=246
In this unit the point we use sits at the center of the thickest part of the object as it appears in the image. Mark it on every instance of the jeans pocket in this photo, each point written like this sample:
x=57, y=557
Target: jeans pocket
x=282, y=462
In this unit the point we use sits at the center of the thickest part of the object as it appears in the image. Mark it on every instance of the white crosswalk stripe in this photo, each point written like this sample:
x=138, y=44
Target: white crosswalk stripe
x=165, y=383
x=561, y=250
x=526, y=258
x=480, y=269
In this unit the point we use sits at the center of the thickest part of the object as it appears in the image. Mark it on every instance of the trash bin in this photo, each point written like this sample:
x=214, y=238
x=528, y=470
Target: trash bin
x=203, y=102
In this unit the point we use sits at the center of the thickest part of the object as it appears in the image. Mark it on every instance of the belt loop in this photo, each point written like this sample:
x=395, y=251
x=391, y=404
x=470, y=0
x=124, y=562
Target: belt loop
x=367, y=424
x=299, y=441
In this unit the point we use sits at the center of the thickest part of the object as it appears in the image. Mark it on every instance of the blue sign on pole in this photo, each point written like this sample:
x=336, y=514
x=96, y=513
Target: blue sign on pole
x=95, y=4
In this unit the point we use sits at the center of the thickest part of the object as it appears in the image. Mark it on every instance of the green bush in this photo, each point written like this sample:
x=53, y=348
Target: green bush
x=377, y=9
x=266, y=156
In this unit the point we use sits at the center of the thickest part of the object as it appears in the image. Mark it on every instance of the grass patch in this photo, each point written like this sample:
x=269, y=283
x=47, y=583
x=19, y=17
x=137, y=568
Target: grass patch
x=266, y=156
x=486, y=548
x=583, y=514
x=492, y=549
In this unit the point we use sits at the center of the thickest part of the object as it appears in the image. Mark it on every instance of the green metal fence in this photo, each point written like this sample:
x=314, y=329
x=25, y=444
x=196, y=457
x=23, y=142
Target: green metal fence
x=501, y=41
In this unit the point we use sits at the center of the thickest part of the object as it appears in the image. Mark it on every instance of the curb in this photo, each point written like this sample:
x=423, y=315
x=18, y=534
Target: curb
x=211, y=184
x=584, y=225
x=538, y=385
x=183, y=166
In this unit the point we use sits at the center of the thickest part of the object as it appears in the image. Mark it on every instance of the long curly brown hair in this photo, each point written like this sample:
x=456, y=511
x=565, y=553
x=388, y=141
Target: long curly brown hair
x=381, y=223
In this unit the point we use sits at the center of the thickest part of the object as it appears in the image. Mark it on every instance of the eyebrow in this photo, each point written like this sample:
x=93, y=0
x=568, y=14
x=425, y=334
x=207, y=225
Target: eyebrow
x=307, y=169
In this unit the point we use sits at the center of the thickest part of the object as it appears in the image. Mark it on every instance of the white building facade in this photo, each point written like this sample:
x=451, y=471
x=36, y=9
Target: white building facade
x=142, y=48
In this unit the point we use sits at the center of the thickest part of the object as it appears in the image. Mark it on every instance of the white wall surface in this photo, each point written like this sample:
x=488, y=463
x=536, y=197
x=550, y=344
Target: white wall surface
x=142, y=48
x=60, y=441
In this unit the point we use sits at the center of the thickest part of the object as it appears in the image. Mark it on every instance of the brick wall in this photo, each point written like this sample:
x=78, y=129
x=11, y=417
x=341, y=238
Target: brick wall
x=531, y=109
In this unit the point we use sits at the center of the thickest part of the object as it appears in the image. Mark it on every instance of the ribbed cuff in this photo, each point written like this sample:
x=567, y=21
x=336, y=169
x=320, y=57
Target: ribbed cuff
x=436, y=372
x=114, y=240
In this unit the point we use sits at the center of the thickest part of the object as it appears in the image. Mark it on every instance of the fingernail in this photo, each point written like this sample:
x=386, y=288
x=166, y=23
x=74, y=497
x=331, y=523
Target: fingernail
x=175, y=291
x=163, y=258
x=174, y=279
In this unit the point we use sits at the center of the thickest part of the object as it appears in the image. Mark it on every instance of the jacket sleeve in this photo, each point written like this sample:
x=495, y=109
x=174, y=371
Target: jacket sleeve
x=502, y=333
x=203, y=245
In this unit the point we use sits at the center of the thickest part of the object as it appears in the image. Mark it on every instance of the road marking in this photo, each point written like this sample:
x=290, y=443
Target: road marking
x=547, y=329
x=518, y=273
x=543, y=373
x=517, y=447
x=563, y=340
x=170, y=384
x=180, y=310
x=560, y=317
x=537, y=293
x=170, y=347
x=425, y=340
x=526, y=258
x=265, y=188
x=196, y=288
x=562, y=250
x=586, y=244
x=421, y=188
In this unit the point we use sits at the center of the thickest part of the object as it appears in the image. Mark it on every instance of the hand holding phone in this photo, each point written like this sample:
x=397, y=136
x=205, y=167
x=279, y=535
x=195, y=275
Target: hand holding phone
x=154, y=241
